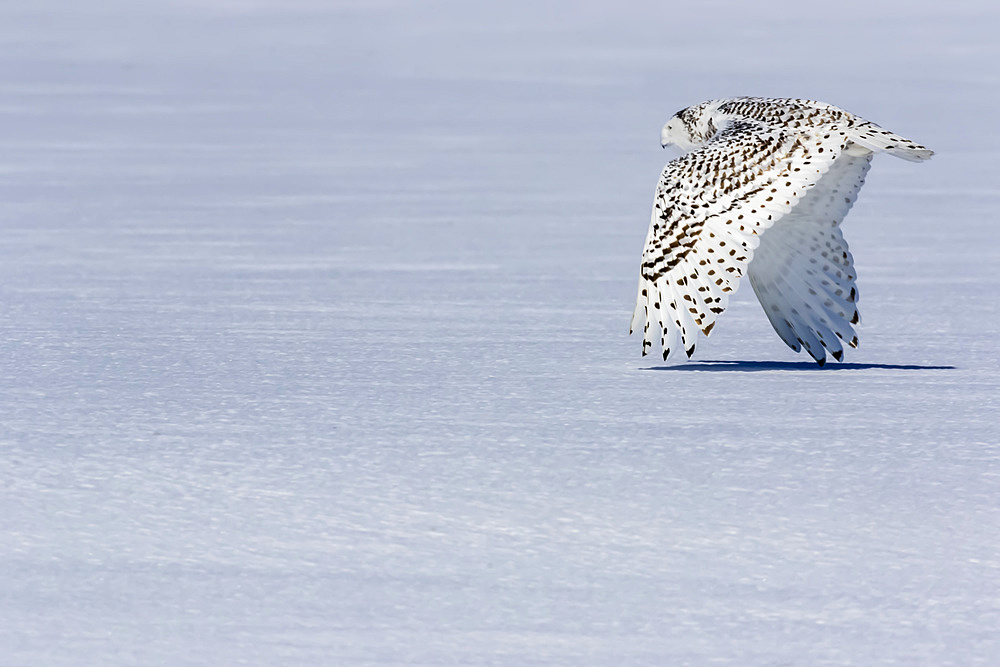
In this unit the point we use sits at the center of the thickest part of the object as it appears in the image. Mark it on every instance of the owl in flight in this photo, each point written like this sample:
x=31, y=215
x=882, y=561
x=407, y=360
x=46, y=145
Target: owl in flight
x=761, y=190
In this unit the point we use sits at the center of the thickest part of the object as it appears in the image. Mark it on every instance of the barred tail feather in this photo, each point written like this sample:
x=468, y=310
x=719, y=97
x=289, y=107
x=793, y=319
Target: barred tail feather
x=875, y=138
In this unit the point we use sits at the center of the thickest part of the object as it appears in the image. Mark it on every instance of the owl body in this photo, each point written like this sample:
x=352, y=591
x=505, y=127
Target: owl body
x=761, y=191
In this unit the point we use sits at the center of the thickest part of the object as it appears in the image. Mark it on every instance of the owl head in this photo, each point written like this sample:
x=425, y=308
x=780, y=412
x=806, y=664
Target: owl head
x=691, y=127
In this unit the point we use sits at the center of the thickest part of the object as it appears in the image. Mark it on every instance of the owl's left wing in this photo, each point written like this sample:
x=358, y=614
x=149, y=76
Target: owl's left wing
x=711, y=207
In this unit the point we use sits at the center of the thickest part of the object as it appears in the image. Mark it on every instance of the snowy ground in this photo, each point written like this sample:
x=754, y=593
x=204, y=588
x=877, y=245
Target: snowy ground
x=314, y=343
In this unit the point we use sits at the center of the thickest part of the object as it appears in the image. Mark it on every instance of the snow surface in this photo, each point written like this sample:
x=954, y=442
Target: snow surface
x=314, y=342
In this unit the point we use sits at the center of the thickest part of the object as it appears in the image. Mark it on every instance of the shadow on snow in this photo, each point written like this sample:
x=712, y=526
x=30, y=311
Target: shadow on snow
x=752, y=366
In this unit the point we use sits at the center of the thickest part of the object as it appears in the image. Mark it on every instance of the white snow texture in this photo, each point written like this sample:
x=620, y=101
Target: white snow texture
x=315, y=342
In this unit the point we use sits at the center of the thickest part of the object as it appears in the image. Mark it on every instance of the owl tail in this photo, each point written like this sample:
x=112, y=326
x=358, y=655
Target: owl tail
x=874, y=138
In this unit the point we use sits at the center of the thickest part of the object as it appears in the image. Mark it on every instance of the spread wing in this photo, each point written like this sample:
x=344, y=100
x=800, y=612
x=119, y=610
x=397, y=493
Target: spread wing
x=711, y=209
x=803, y=273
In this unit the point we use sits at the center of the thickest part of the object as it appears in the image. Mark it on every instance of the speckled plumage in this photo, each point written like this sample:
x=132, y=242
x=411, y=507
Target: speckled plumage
x=762, y=192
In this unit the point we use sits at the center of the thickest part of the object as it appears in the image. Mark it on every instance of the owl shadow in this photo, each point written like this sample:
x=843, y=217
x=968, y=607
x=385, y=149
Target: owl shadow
x=756, y=366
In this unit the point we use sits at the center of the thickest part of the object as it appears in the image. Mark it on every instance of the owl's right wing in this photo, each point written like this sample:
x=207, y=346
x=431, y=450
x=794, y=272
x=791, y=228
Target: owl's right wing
x=803, y=273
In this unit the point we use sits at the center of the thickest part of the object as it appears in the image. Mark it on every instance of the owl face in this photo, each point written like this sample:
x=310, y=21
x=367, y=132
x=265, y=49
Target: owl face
x=689, y=128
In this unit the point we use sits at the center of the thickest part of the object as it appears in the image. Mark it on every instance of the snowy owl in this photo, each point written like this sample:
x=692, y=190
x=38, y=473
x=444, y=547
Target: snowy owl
x=762, y=189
